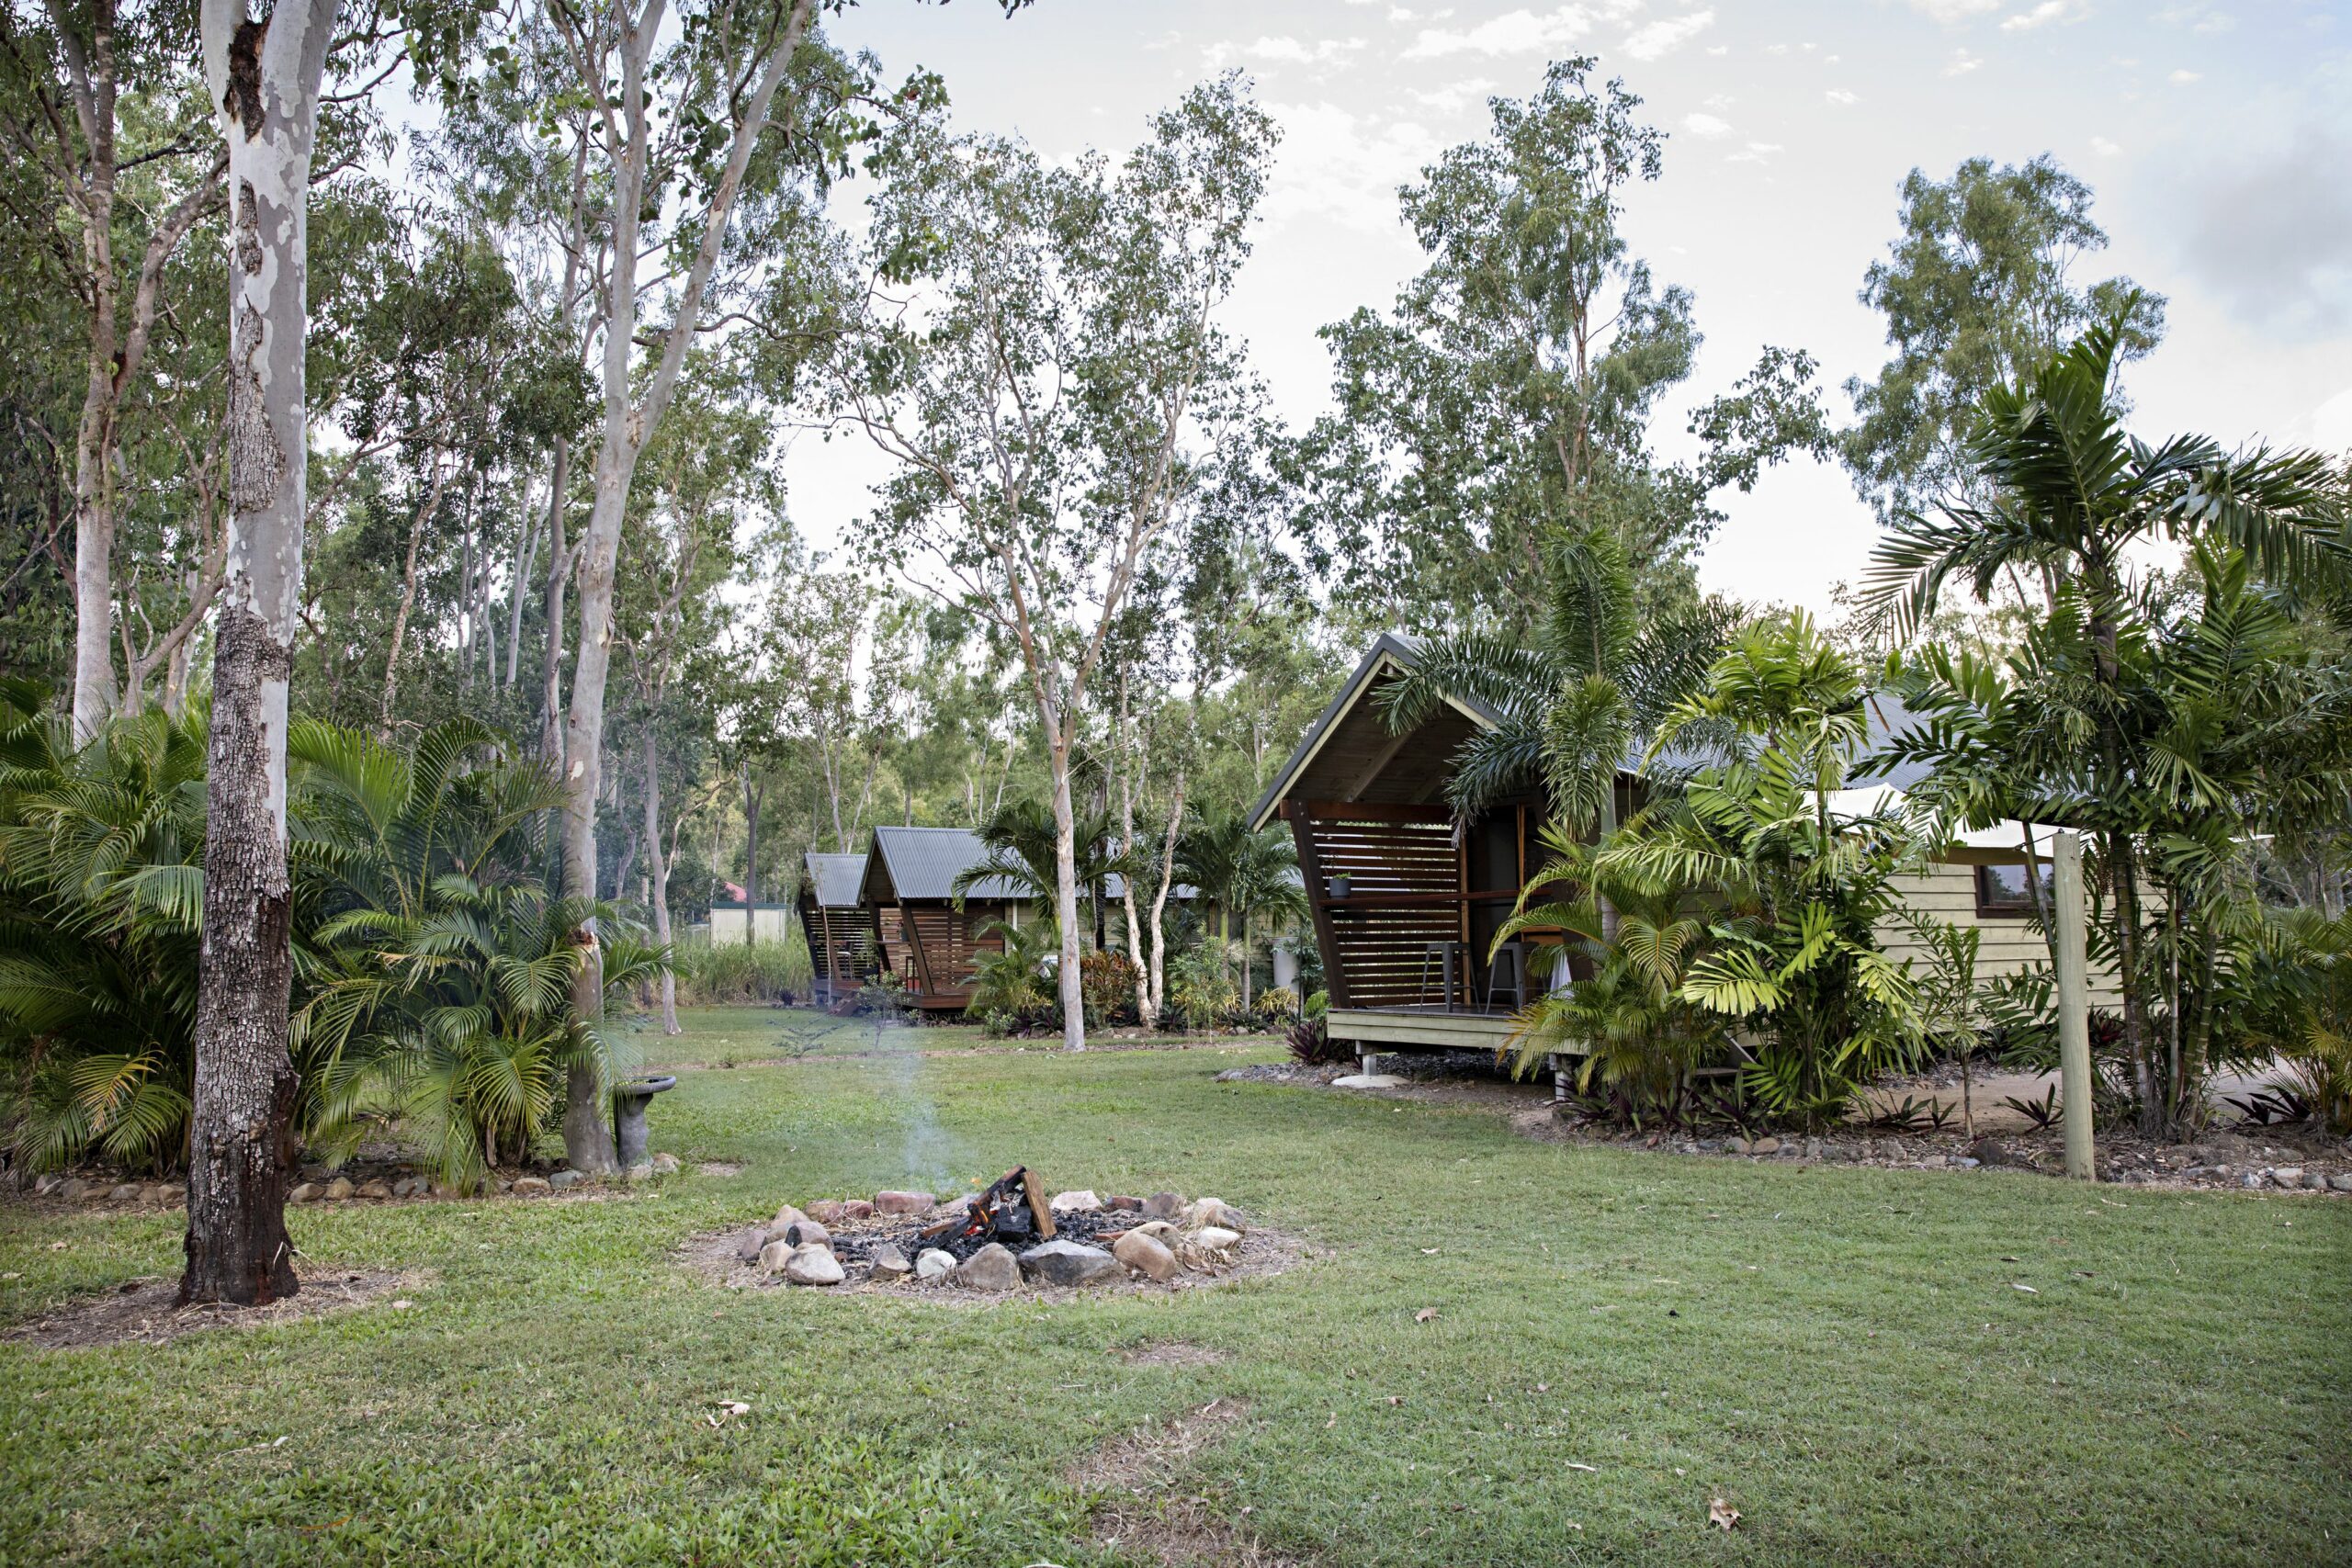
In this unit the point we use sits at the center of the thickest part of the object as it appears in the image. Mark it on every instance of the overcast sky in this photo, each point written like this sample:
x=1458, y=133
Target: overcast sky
x=2218, y=137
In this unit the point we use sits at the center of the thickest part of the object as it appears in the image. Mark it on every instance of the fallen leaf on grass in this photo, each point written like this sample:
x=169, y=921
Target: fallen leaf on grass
x=2028, y=1290
x=1425, y=1315
x=1594, y=1468
x=402, y=1305
x=1721, y=1513
x=1395, y=1399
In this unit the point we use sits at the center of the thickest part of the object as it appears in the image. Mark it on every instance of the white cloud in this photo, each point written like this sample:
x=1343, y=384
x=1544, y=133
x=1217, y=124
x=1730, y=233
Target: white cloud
x=1950, y=11
x=1521, y=32
x=2041, y=15
x=1286, y=50
x=1706, y=126
x=1455, y=97
x=1963, y=62
x=1336, y=167
x=1839, y=96
x=1754, y=152
x=2184, y=77
x=1719, y=49
x=1665, y=35
x=2332, y=422
x=2104, y=148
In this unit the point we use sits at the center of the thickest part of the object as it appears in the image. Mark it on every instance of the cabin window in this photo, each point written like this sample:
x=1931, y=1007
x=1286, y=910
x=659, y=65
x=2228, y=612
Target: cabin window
x=2002, y=892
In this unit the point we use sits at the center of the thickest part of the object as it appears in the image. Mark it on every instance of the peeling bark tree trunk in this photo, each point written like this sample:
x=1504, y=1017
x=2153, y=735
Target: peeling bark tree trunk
x=264, y=77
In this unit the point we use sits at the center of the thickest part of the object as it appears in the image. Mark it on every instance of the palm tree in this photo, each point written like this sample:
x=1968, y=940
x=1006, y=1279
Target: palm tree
x=2072, y=496
x=442, y=970
x=1574, y=697
x=1018, y=836
x=1246, y=873
x=101, y=887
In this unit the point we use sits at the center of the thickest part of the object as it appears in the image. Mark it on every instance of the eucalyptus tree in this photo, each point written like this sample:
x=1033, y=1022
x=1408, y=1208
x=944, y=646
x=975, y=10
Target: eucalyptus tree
x=699, y=141
x=1977, y=290
x=705, y=470
x=102, y=104
x=1511, y=389
x=2070, y=494
x=262, y=75
x=1038, y=349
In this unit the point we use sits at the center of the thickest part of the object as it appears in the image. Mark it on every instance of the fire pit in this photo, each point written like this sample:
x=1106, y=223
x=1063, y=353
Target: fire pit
x=1008, y=1237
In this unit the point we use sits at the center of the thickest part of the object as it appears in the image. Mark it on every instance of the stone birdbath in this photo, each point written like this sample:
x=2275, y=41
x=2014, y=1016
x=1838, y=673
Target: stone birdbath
x=629, y=1099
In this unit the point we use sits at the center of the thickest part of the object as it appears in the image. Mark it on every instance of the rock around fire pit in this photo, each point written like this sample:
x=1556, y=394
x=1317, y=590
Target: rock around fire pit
x=1009, y=1237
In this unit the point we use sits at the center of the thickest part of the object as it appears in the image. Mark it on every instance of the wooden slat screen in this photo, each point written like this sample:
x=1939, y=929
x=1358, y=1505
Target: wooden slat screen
x=1383, y=953
x=948, y=943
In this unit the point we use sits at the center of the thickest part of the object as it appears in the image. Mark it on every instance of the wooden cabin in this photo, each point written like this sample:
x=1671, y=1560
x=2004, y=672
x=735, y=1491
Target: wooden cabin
x=1406, y=902
x=841, y=937
x=918, y=933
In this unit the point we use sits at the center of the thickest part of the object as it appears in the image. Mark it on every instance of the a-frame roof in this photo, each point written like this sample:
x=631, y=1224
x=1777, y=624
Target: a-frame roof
x=834, y=880
x=922, y=863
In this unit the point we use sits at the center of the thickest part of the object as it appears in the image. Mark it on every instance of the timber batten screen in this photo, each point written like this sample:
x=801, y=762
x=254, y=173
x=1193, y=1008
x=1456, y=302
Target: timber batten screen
x=918, y=932
x=1403, y=874
x=839, y=931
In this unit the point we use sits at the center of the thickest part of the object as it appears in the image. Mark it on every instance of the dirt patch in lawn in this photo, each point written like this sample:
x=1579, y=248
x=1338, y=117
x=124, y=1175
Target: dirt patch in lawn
x=145, y=1311
x=1173, y=1353
x=1147, y=1512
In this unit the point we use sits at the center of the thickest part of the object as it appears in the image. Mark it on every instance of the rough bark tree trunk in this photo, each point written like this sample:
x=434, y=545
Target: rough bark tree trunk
x=751, y=799
x=264, y=78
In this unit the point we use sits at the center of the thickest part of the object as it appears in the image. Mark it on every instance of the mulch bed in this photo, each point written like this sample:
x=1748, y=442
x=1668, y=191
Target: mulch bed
x=145, y=1311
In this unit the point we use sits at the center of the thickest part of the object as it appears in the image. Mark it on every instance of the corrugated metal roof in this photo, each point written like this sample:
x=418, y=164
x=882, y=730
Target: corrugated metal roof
x=922, y=861
x=834, y=879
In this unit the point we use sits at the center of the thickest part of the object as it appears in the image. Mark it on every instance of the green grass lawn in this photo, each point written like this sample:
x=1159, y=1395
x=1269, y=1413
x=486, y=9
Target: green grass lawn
x=738, y=1036
x=1841, y=1353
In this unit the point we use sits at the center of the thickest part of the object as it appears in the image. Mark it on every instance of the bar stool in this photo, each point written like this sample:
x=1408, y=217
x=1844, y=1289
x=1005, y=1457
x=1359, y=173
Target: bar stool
x=1515, y=954
x=1442, y=952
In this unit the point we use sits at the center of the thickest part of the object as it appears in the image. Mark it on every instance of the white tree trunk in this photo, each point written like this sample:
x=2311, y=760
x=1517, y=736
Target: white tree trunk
x=263, y=76
x=657, y=874
x=1159, y=899
x=1065, y=900
x=628, y=426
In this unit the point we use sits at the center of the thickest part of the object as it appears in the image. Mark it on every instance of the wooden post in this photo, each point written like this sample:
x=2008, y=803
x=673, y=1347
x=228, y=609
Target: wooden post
x=1319, y=903
x=2074, y=1002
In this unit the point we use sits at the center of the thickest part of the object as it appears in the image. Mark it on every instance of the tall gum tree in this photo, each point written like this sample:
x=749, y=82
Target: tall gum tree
x=726, y=69
x=262, y=75
x=1038, y=350
x=64, y=115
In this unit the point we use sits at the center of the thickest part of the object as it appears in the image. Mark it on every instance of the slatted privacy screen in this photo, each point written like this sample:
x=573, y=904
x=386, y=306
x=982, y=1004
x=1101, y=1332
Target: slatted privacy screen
x=1388, y=853
x=948, y=945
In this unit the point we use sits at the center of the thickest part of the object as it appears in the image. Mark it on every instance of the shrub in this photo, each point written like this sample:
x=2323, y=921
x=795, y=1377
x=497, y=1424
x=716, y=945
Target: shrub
x=1278, y=1004
x=1319, y=1004
x=1106, y=985
x=1014, y=982
x=1311, y=1044
x=1200, y=994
